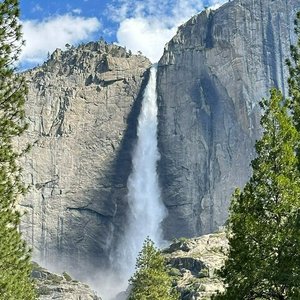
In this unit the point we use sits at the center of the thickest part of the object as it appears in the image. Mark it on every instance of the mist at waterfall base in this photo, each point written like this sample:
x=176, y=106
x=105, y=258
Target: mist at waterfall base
x=146, y=209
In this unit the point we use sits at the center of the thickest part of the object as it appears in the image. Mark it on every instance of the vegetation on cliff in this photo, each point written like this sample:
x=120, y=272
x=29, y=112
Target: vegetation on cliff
x=15, y=267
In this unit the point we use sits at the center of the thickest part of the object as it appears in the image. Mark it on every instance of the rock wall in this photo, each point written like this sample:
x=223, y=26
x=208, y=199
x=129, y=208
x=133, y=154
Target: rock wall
x=82, y=109
x=210, y=79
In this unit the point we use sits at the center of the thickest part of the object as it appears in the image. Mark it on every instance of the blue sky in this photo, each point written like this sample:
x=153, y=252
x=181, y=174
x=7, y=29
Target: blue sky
x=139, y=25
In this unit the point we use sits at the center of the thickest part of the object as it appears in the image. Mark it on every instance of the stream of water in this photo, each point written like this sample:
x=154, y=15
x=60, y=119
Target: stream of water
x=146, y=209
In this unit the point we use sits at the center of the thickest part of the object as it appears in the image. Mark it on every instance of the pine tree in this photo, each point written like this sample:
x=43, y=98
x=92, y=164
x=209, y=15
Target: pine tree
x=264, y=222
x=15, y=266
x=294, y=79
x=151, y=280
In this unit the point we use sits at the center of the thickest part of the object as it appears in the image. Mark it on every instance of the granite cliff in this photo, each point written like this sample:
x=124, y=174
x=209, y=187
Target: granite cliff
x=82, y=110
x=210, y=79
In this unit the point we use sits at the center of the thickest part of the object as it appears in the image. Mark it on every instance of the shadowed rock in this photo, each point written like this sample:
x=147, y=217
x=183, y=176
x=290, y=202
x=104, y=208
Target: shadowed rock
x=210, y=79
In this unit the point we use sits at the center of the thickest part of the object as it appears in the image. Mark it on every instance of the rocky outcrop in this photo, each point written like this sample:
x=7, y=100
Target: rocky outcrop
x=194, y=264
x=82, y=109
x=60, y=287
x=210, y=79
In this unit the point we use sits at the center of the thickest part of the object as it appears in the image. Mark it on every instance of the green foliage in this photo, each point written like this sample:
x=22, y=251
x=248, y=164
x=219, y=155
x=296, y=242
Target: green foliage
x=264, y=223
x=174, y=272
x=15, y=267
x=294, y=79
x=67, y=276
x=151, y=280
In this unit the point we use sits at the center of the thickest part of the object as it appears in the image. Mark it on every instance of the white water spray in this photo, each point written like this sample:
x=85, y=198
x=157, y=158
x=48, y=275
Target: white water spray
x=146, y=209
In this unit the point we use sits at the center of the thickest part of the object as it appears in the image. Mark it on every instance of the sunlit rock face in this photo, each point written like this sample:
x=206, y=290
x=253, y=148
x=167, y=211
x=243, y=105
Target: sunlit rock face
x=210, y=79
x=51, y=286
x=82, y=109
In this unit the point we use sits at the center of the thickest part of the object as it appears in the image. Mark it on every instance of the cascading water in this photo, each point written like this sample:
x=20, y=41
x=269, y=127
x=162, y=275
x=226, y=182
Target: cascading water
x=146, y=209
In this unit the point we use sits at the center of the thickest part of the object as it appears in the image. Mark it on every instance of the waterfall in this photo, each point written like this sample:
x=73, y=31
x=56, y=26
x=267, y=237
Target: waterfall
x=146, y=209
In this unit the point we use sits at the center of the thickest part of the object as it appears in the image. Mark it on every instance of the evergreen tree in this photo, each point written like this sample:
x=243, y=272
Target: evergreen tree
x=264, y=222
x=15, y=266
x=151, y=280
x=294, y=79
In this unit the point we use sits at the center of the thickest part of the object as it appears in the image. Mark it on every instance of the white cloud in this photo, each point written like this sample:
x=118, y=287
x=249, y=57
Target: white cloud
x=145, y=35
x=45, y=36
x=77, y=11
x=215, y=4
x=147, y=25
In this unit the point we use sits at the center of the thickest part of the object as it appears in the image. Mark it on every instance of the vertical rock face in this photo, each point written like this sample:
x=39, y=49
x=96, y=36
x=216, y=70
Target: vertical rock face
x=82, y=109
x=210, y=79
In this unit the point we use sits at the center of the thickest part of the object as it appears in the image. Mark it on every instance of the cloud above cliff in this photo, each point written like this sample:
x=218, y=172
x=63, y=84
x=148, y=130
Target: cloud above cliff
x=148, y=25
x=43, y=36
x=140, y=25
x=145, y=35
